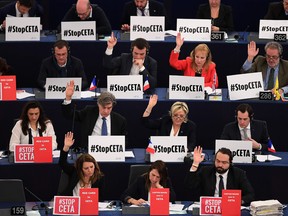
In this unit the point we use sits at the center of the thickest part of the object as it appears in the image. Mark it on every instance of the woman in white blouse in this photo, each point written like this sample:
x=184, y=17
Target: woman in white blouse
x=32, y=123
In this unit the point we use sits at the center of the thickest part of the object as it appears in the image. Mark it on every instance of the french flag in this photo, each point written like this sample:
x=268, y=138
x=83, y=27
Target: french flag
x=150, y=149
x=146, y=84
x=93, y=84
x=270, y=146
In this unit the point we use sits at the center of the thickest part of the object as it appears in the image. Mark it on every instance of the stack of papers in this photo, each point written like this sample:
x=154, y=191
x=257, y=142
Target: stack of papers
x=267, y=207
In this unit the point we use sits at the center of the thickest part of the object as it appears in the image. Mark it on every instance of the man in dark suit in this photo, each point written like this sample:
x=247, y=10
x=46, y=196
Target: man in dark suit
x=271, y=65
x=135, y=63
x=95, y=120
x=247, y=128
x=277, y=11
x=61, y=64
x=211, y=180
x=20, y=8
x=143, y=8
x=84, y=11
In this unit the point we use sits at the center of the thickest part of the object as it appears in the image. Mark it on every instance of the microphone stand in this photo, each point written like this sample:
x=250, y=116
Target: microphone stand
x=42, y=204
x=267, y=159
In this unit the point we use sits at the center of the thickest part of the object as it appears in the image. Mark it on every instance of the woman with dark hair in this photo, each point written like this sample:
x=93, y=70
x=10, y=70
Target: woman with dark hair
x=33, y=123
x=157, y=177
x=4, y=67
x=85, y=173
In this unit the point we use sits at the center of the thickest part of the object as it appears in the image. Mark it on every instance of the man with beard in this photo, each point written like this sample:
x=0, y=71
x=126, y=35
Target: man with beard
x=206, y=180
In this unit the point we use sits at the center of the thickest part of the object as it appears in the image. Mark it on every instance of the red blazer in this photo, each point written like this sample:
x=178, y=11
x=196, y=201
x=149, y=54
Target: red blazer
x=185, y=66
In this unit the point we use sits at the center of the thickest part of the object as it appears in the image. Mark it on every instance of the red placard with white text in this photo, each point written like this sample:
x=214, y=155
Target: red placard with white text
x=24, y=153
x=8, y=87
x=231, y=202
x=159, y=201
x=66, y=205
x=210, y=205
x=43, y=149
x=89, y=201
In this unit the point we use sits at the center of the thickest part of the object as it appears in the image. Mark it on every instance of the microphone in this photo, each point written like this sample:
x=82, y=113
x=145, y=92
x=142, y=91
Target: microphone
x=241, y=37
x=42, y=203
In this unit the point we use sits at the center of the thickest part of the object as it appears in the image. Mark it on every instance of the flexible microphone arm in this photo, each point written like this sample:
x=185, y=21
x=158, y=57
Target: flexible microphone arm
x=42, y=204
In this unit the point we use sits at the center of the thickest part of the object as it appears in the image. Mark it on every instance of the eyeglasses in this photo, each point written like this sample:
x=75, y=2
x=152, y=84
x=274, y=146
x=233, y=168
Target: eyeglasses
x=272, y=57
x=179, y=116
x=223, y=162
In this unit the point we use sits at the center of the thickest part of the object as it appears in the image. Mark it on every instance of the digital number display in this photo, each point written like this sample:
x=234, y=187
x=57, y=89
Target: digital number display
x=217, y=36
x=280, y=37
x=265, y=95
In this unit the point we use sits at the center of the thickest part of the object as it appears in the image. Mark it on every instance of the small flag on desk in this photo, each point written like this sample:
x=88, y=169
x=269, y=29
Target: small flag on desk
x=270, y=146
x=146, y=84
x=150, y=148
x=93, y=84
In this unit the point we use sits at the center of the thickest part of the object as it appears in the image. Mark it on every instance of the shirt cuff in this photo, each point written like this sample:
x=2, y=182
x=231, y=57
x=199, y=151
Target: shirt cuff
x=109, y=51
x=247, y=65
x=142, y=69
x=66, y=102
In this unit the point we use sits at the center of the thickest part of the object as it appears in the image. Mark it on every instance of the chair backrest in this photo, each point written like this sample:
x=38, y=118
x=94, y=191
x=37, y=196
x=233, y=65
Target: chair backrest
x=12, y=190
x=63, y=183
x=137, y=170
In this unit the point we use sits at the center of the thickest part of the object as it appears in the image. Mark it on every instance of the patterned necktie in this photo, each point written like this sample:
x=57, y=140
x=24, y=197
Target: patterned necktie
x=271, y=79
x=221, y=185
x=245, y=136
x=104, y=127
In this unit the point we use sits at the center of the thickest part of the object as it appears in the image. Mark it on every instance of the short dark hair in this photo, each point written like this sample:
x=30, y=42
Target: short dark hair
x=26, y=3
x=140, y=43
x=106, y=98
x=60, y=44
x=227, y=152
x=243, y=108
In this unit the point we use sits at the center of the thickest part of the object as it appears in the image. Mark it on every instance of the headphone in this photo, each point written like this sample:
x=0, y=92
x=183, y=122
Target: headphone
x=243, y=108
x=140, y=43
x=60, y=44
x=274, y=45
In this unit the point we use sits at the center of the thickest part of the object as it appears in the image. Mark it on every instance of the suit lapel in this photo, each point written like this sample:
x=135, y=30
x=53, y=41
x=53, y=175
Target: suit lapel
x=93, y=120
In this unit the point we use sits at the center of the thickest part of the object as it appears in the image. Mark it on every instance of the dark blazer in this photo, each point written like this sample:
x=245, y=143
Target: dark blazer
x=203, y=182
x=155, y=9
x=122, y=64
x=259, y=132
x=70, y=170
x=50, y=68
x=102, y=23
x=224, y=20
x=260, y=64
x=164, y=125
x=88, y=117
x=9, y=9
x=276, y=11
x=137, y=190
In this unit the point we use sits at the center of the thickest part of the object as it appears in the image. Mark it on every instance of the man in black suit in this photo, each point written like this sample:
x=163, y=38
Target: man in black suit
x=20, y=8
x=277, y=11
x=210, y=180
x=135, y=63
x=142, y=8
x=84, y=11
x=95, y=120
x=247, y=128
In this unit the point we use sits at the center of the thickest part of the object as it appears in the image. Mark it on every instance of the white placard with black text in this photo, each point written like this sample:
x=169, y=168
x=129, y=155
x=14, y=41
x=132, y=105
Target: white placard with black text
x=241, y=150
x=81, y=30
x=148, y=27
x=126, y=87
x=245, y=86
x=55, y=87
x=194, y=29
x=169, y=148
x=267, y=28
x=186, y=87
x=107, y=148
x=22, y=29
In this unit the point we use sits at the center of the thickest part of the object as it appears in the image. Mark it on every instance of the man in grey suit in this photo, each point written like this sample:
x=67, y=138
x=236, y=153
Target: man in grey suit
x=271, y=65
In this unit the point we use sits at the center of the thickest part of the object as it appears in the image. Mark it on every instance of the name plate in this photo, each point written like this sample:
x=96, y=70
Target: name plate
x=267, y=28
x=210, y=205
x=66, y=205
x=22, y=29
x=125, y=86
x=245, y=86
x=186, y=87
x=148, y=27
x=242, y=150
x=194, y=29
x=24, y=153
x=55, y=87
x=107, y=148
x=81, y=30
x=169, y=148
x=7, y=88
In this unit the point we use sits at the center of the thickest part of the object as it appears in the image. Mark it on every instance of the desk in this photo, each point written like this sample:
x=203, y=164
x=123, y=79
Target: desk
x=42, y=179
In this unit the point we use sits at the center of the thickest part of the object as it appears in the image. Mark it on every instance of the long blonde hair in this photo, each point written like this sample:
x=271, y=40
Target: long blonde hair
x=201, y=47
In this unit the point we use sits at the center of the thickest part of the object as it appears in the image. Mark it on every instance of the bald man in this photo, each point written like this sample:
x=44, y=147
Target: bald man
x=84, y=11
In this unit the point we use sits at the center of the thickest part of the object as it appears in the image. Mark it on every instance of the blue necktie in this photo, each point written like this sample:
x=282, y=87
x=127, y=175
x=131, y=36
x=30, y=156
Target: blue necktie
x=104, y=127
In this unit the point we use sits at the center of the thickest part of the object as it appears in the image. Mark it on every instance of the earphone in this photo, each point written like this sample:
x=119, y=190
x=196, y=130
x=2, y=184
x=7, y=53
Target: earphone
x=60, y=44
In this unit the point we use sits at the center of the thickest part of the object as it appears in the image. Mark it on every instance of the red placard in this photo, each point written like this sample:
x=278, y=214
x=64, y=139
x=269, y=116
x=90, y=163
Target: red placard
x=43, y=149
x=8, y=87
x=24, y=153
x=231, y=202
x=159, y=201
x=89, y=201
x=210, y=205
x=66, y=205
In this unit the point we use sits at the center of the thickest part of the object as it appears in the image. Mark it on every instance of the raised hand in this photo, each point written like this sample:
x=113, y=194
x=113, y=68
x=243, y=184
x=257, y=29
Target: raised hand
x=252, y=50
x=69, y=90
x=112, y=41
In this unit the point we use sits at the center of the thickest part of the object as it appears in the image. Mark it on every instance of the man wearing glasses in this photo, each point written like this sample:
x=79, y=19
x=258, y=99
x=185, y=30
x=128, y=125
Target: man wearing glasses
x=84, y=11
x=271, y=65
x=277, y=11
x=211, y=180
